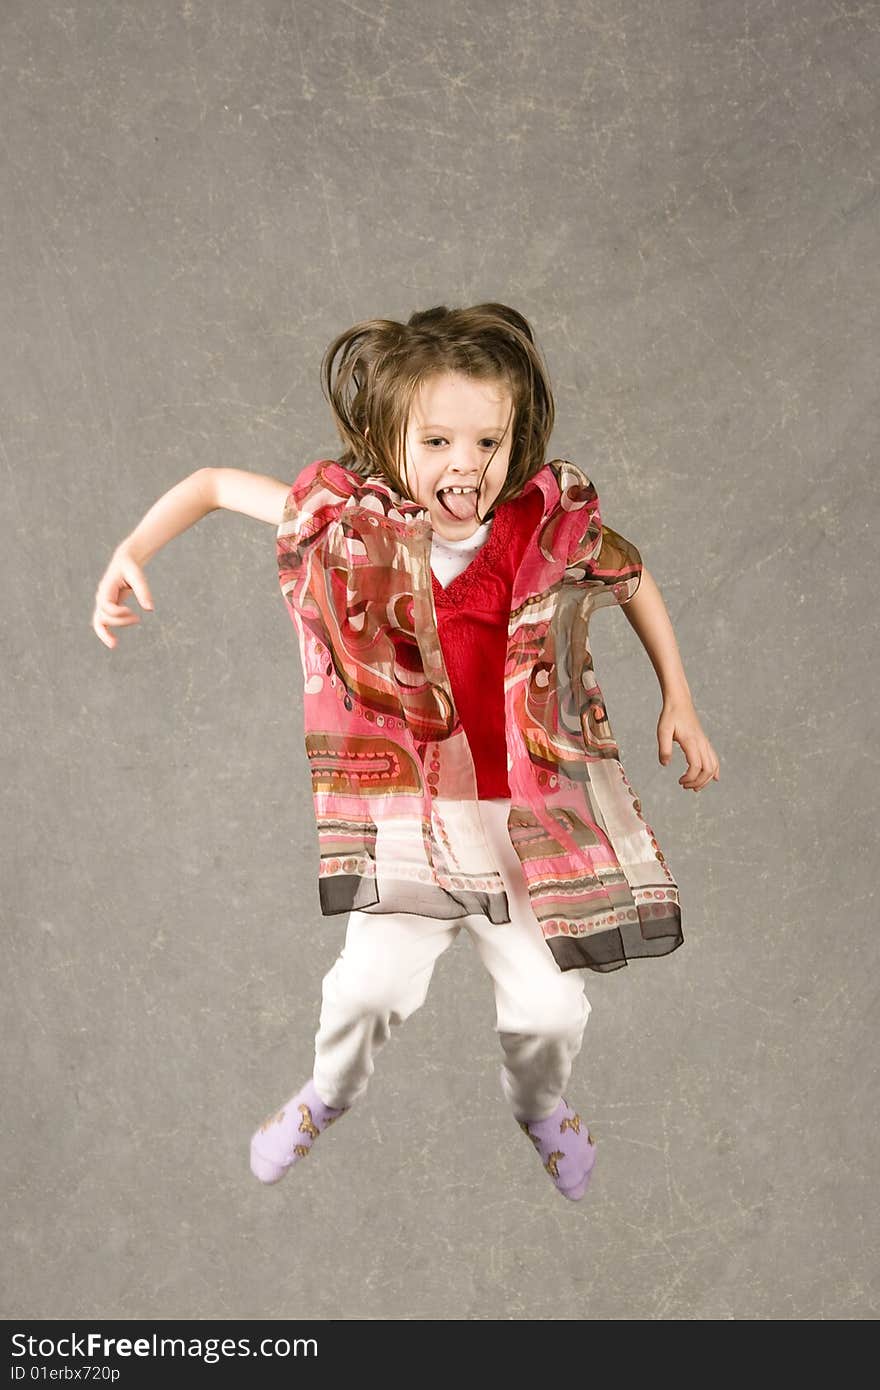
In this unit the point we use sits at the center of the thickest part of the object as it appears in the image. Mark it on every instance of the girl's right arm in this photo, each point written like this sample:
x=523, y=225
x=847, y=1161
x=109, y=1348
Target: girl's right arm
x=202, y=492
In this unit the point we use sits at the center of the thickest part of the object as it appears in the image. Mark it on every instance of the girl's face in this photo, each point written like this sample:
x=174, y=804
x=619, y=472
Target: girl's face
x=454, y=425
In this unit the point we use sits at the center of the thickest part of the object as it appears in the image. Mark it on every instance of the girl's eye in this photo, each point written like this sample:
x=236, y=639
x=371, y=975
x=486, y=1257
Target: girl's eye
x=438, y=439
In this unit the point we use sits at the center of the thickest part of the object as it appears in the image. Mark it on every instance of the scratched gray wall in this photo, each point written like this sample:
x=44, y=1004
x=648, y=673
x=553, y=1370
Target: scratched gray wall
x=195, y=199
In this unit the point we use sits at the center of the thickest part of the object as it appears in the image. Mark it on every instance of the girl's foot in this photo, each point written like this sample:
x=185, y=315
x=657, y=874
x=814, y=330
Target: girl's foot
x=567, y=1149
x=288, y=1135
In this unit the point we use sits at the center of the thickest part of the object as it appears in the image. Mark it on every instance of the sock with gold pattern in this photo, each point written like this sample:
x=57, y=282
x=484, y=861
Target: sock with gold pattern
x=566, y=1147
x=288, y=1135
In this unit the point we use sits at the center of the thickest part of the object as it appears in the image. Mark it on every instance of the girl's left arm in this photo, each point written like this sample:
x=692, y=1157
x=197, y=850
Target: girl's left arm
x=678, y=721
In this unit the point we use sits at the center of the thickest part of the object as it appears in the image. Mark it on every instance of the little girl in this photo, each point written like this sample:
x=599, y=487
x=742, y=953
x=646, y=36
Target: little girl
x=441, y=576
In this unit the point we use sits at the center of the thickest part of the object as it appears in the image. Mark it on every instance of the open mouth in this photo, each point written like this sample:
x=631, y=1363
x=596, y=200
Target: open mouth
x=463, y=503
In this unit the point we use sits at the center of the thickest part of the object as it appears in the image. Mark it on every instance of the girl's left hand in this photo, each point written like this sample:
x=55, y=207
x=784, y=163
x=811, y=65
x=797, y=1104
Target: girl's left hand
x=678, y=721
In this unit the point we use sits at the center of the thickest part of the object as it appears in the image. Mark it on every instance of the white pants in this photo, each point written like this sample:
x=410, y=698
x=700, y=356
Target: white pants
x=383, y=971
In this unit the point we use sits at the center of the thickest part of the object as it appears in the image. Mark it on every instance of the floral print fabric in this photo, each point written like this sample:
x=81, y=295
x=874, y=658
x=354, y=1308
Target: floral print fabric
x=393, y=782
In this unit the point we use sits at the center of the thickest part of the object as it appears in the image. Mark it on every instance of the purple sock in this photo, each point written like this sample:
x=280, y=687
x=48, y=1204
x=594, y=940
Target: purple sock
x=566, y=1147
x=289, y=1134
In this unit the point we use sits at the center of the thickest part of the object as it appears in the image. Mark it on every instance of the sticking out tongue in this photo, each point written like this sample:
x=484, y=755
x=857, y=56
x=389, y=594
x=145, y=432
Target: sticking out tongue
x=462, y=505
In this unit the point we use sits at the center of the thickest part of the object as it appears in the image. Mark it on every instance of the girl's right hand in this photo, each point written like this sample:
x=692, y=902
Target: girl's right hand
x=122, y=577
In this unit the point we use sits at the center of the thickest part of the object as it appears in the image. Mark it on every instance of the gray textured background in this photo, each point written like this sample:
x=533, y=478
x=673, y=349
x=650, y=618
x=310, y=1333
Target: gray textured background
x=682, y=197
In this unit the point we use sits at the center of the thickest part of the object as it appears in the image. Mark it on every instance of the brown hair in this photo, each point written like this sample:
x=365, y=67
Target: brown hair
x=382, y=364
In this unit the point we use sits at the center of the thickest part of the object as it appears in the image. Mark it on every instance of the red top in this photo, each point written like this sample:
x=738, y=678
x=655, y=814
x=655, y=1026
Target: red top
x=473, y=613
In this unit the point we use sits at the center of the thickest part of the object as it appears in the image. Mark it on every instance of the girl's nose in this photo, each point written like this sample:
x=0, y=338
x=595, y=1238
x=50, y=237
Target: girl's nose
x=467, y=462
